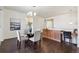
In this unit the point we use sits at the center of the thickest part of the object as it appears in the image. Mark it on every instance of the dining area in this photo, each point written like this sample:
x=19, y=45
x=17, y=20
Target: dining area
x=29, y=32
x=35, y=43
x=32, y=40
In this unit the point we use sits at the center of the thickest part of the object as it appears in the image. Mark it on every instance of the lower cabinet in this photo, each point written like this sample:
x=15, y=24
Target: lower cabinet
x=51, y=34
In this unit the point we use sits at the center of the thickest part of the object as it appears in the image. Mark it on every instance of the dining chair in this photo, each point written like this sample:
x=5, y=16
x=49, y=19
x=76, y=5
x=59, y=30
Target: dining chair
x=36, y=38
x=21, y=39
x=18, y=40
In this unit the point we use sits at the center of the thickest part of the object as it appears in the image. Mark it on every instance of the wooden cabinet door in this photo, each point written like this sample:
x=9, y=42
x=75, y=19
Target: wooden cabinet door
x=52, y=34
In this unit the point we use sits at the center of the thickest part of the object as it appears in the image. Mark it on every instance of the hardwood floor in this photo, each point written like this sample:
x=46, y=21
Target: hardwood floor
x=47, y=46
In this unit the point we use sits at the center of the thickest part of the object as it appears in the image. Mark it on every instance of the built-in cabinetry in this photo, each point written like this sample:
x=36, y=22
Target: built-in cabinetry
x=52, y=34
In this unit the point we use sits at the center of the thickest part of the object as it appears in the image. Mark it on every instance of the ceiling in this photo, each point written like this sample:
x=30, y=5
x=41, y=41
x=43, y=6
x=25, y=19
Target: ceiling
x=44, y=11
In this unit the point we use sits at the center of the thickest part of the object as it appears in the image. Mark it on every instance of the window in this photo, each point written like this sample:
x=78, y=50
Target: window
x=49, y=23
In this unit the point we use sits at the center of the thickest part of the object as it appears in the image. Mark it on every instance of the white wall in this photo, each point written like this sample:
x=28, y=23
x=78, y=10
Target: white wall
x=1, y=25
x=38, y=23
x=62, y=22
x=13, y=14
x=78, y=27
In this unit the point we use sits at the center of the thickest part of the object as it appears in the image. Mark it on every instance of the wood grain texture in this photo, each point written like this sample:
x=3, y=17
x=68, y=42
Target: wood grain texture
x=47, y=46
x=51, y=34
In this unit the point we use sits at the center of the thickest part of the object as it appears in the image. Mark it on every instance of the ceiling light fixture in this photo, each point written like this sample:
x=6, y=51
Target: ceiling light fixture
x=71, y=23
x=31, y=13
x=34, y=13
x=35, y=6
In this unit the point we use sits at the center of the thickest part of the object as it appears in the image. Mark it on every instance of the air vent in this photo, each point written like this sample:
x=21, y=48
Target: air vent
x=34, y=6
